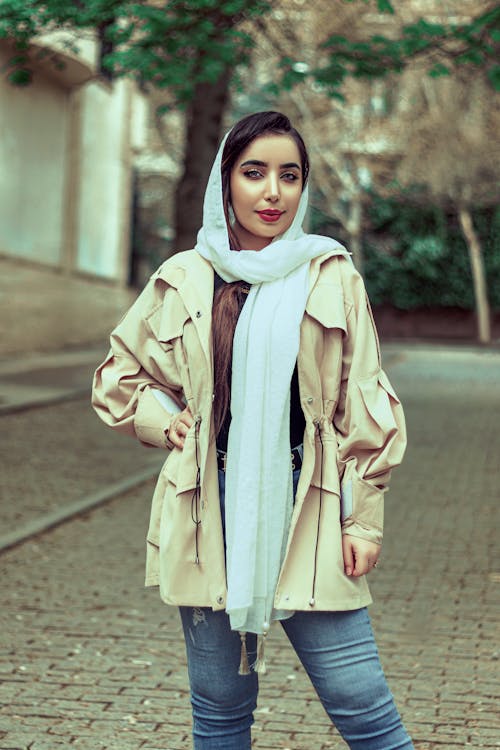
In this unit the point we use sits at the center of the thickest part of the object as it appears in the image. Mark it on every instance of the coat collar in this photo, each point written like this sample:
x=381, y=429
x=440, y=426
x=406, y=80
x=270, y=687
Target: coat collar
x=191, y=275
x=193, y=278
x=189, y=265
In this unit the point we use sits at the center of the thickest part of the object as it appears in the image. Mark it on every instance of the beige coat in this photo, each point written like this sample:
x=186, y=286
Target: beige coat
x=354, y=433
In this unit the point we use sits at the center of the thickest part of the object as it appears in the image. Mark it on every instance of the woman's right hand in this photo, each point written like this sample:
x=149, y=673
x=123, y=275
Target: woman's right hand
x=179, y=427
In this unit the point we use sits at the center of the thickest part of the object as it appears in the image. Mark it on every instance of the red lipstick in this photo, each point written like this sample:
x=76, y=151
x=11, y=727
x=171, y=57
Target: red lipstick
x=270, y=214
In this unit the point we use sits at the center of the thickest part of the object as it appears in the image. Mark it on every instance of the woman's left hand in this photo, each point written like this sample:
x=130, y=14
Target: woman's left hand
x=360, y=555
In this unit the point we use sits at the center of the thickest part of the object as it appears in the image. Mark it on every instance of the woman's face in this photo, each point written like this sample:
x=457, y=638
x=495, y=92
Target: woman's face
x=266, y=185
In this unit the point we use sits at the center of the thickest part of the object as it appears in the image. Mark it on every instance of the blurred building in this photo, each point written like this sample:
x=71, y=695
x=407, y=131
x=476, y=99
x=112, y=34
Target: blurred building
x=67, y=147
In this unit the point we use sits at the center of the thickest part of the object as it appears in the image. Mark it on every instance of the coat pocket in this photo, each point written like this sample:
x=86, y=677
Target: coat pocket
x=169, y=319
x=379, y=399
x=153, y=535
x=326, y=305
x=176, y=477
x=182, y=470
x=172, y=497
x=167, y=322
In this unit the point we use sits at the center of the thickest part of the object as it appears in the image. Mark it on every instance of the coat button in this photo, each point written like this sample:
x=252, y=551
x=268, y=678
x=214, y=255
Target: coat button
x=220, y=600
x=198, y=313
x=310, y=400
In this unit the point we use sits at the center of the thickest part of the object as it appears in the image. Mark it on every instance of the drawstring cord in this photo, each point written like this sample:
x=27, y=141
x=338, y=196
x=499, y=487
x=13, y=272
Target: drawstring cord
x=312, y=601
x=196, y=493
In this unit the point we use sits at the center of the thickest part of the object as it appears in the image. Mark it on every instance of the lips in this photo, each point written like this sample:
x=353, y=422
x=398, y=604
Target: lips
x=270, y=215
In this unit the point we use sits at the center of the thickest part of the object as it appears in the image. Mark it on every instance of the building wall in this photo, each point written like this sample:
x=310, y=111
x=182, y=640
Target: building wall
x=104, y=206
x=33, y=144
x=66, y=151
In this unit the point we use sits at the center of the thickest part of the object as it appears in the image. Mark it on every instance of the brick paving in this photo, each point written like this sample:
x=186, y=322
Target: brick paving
x=57, y=454
x=91, y=659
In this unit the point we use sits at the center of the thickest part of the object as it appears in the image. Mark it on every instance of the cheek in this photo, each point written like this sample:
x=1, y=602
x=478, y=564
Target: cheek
x=293, y=204
x=241, y=194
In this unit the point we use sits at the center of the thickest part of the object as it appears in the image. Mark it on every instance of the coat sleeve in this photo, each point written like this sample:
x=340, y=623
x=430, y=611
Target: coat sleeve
x=123, y=385
x=369, y=420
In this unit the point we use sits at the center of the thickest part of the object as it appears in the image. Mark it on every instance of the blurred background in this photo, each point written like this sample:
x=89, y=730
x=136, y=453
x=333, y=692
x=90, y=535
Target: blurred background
x=111, y=113
x=110, y=117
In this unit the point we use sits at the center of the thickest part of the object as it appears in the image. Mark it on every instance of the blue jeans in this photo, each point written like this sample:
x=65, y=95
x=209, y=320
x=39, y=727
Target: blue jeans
x=338, y=652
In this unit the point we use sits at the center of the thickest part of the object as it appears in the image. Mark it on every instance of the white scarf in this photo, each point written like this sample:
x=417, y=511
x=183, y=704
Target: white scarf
x=258, y=499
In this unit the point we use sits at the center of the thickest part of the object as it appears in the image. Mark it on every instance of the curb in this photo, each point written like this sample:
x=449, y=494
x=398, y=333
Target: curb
x=40, y=402
x=61, y=515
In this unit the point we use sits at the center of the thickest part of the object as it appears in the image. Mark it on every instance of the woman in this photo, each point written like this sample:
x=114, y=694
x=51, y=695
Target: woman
x=255, y=359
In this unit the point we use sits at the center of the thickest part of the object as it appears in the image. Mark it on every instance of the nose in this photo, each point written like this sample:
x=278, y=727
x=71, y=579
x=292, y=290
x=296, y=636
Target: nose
x=272, y=193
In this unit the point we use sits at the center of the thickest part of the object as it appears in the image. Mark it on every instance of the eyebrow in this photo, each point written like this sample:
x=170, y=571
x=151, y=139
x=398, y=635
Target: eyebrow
x=257, y=163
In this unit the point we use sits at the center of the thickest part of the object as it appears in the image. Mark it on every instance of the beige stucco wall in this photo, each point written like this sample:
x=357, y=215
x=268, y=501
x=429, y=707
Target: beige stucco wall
x=105, y=180
x=66, y=152
x=33, y=143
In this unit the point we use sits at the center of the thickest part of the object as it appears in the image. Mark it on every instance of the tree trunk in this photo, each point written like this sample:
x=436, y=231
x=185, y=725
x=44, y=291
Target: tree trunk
x=354, y=228
x=478, y=275
x=203, y=133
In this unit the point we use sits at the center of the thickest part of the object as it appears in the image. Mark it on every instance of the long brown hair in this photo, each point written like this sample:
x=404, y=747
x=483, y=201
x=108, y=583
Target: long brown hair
x=228, y=299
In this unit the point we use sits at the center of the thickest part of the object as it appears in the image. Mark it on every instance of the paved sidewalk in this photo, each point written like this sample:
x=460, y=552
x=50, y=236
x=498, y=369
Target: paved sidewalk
x=60, y=459
x=90, y=659
x=37, y=380
x=42, y=310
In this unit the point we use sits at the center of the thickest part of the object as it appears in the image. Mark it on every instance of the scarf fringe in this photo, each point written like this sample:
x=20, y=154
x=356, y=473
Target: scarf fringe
x=259, y=665
x=244, y=667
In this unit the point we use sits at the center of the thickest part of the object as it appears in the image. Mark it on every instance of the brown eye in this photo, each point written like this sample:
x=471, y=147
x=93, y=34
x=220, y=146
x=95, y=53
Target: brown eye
x=252, y=174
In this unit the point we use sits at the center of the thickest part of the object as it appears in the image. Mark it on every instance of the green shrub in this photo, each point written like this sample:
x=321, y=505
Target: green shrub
x=416, y=256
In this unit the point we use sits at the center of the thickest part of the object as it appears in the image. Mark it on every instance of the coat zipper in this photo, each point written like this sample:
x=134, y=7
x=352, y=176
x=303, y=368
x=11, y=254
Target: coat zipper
x=195, y=499
x=312, y=600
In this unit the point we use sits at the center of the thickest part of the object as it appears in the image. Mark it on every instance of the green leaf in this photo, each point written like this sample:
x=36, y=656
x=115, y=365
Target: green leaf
x=472, y=56
x=385, y=6
x=336, y=94
x=17, y=61
x=439, y=70
x=163, y=109
x=493, y=75
x=270, y=89
x=20, y=77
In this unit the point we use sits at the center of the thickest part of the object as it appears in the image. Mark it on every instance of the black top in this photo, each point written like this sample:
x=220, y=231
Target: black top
x=297, y=420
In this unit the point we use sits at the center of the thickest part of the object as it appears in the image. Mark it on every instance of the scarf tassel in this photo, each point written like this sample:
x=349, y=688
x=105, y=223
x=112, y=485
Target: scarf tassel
x=260, y=663
x=244, y=666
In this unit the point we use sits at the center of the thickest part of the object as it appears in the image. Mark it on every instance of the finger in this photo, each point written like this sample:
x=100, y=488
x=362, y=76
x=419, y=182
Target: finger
x=348, y=556
x=175, y=439
x=361, y=563
x=175, y=434
x=186, y=417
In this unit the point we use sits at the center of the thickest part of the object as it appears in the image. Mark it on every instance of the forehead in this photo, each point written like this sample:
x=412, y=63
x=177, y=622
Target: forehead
x=272, y=149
